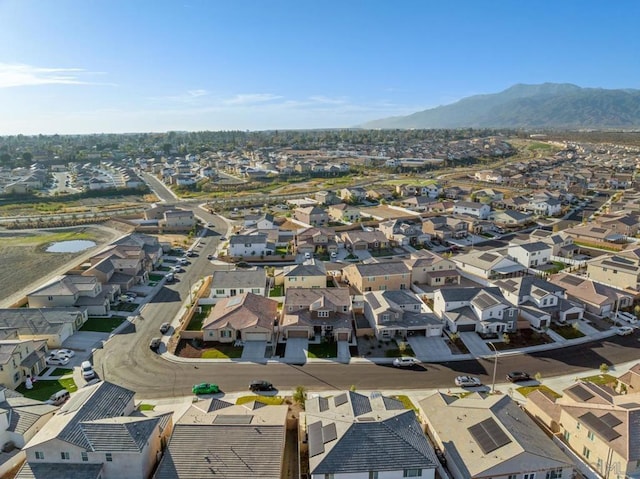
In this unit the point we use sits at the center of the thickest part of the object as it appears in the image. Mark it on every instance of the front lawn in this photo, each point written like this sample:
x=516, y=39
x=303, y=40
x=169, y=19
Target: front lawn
x=197, y=319
x=522, y=339
x=222, y=351
x=323, y=350
x=397, y=352
x=269, y=400
x=146, y=407
x=43, y=389
x=277, y=291
x=127, y=307
x=600, y=379
x=526, y=390
x=57, y=372
x=156, y=277
x=102, y=325
x=406, y=402
x=567, y=331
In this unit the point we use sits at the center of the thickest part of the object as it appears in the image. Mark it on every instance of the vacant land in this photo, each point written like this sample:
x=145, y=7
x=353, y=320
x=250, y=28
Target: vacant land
x=25, y=261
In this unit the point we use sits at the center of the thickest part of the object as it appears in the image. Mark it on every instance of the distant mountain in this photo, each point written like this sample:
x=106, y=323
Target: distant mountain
x=549, y=105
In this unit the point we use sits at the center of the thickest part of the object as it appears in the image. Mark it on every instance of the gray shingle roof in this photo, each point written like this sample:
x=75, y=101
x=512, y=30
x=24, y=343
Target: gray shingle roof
x=45, y=321
x=255, y=278
x=48, y=470
x=119, y=434
x=24, y=412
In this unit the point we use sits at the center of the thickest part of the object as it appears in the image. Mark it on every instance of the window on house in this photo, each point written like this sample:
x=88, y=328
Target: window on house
x=225, y=333
x=39, y=455
x=385, y=317
x=373, y=474
x=371, y=279
x=567, y=436
x=586, y=452
x=345, y=309
x=412, y=473
x=64, y=456
x=530, y=475
x=329, y=476
x=108, y=457
x=16, y=377
x=403, y=286
x=50, y=298
x=554, y=474
x=578, y=425
x=599, y=464
x=219, y=291
x=85, y=456
x=323, y=314
x=255, y=290
x=591, y=436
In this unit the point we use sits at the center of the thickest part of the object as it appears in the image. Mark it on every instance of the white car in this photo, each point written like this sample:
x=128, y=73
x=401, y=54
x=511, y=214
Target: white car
x=405, y=362
x=57, y=361
x=624, y=330
x=626, y=317
x=468, y=381
x=62, y=352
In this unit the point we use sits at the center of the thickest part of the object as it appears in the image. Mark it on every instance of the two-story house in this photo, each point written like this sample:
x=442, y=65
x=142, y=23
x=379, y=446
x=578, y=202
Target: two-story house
x=354, y=194
x=250, y=245
x=360, y=240
x=225, y=284
x=311, y=274
x=20, y=359
x=311, y=215
x=387, y=276
x=530, y=255
x=444, y=228
x=431, y=269
x=616, y=270
x=312, y=240
x=402, y=233
x=76, y=291
x=471, y=208
x=487, y=264
x=344, y=213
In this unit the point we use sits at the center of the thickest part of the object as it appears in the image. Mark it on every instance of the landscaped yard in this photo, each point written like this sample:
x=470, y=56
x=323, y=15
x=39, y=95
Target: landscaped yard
x=196, y=320
x=600, y=379
x=127, y=307
x=43, y=389
x=323, y=350
x=522, y=339
x=567, y=331
x=270, y=400
x=399, y=352
x=526, y=390
x=155, y=277
x=57, y=372
x=276, y=291
x=222, y=351
x=102, y=325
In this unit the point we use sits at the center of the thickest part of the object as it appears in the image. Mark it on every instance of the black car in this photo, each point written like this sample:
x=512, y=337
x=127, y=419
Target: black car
x=155, y=344
x=260, y=385
x=515, y=376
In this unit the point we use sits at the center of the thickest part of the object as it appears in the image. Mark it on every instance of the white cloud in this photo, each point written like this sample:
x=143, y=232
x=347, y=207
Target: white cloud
x=251, y=98
x=327, y=100
x=197, y=93
x=16, y=75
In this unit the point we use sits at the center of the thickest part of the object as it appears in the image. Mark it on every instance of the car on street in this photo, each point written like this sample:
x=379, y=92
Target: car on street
x=155, y=344
x=170, y=277
x=515, y=376
x=260, y=385
x=183, y=262
x=164, y=327
x=62, y=352
x=177, y=269
x=127, y=299
x=467, y=381
x=223, y=238
x=626, y=317
x=624, y=330
x=405, y=362
x=57, y=361
x=205, y=388
x=209, y=256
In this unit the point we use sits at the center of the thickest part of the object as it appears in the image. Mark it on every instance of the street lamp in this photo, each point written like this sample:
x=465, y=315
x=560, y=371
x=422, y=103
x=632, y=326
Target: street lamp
x=495, y=367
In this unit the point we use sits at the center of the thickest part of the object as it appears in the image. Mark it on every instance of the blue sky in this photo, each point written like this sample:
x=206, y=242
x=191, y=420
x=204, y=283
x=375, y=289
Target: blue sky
x=78, y=66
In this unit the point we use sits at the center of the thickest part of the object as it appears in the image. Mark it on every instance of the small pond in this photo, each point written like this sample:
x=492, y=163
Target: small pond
x=71, y=246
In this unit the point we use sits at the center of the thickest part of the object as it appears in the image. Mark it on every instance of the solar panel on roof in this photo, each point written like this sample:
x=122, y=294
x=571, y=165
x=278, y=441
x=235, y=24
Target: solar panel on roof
x=580, y=392
x=329, y=433
x=487, y=257
x=572, y=280
x=233, y=419
x=340, y=399
x=316, y=444
x=323, y=404
x=235, y=301
x=610, y=420
x=488, y=435
x=599, y=427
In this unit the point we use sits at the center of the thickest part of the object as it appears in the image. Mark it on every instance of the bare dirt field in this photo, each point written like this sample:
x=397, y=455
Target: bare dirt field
x=24, y=261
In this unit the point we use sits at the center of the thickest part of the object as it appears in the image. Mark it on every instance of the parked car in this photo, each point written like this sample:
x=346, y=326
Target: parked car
x=87, y=370
x=170, y=277
x=624, y=330
x=260, y=385
x=155, y=344
x=57, y=360
x=223, y=238
x=126, y=299
x=405, y=362
x=177, y=269
x=626, y=317
x=209, y=256
x=515, y=376
x=189, y=253
x=467, y=381
x=183, y=262
x=164, y=327
x=62, y=353
x=205, y=388
x=334, y=254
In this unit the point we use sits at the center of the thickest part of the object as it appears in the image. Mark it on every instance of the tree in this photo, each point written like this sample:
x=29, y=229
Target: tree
x=604, y=368
x=300, y=395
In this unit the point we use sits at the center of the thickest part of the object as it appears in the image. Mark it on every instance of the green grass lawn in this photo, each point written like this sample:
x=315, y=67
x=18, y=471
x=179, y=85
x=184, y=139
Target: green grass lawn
x=61, y=372
x=146, y=407
x=276, y=291
x=127, y=307
x=406, y=402
x=526, y=390
x=222, y=351
x=155, y=277
x=323, y=350
x=601, y=379
x=270, y=400
x=43, y=389
x=396, y=353
x=102, y=325
x=196, y=320
x=567, y=332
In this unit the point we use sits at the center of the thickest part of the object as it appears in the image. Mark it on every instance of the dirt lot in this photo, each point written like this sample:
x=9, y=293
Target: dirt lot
x=24, y=261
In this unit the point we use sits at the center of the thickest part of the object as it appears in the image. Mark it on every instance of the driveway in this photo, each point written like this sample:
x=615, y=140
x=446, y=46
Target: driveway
x=475, y=344
x=296, y=350
x=429, y=349
x=343, y=352
x=254, y=351
x=83, y=343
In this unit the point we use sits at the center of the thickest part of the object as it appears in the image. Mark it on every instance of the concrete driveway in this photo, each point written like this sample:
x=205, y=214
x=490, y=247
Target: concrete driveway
x=254, y=351
x=344, y=355
x=429, y=349
x=83, y=343
x=296, y=350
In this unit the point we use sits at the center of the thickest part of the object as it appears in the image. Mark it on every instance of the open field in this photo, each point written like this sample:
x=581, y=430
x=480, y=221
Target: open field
x=25, y=261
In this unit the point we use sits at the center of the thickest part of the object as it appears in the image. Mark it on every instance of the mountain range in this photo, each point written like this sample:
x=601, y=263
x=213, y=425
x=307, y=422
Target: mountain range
x=548, y=105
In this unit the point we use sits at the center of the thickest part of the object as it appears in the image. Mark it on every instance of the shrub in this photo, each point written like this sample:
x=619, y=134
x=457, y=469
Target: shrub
x=299, y=395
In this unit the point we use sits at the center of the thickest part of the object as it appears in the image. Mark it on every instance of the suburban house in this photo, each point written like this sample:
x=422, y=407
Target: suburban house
x=596, y=234
x=121, y=266
x=177, y=220
x=344, y=213
x=483, y=310
x=489, y=176
x=225, y=284
x=402, y=233
x=354, y=194
x=323, y=312
x=445, y=228
x=76, y=291
x=598, y=424
x=310, y=274
x=150, y=246
x=264, y=221
x=54, y=325
x=215, y=438
x=20, y=359
x=560, y=242
x=431, y=269
x=96, y=435
x=311, y=240
x=399, y=314
x=510, y=218
x=540, y=301
x=311, y=215
x=387, y=276
x=616, y=270
x=472, y=208
x=488, y=264
x=624, y=223
x=530, y=255
x=250, y=245
x=326, y=197
x=484, y=435
x=351, y=435
x=417, y=203
x=597, y=298
x=246, y=317
x=360, y=240
x=545, y=206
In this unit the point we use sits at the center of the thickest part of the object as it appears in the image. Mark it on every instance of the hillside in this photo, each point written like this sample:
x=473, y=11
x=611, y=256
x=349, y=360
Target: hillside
x=549, y=105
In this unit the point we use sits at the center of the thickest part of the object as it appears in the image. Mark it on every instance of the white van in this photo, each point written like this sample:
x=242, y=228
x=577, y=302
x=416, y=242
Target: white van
x=627, y=317
x=87, y=370
x=59, y=398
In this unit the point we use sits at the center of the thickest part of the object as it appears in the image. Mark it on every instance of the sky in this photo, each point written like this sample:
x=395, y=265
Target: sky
x=111, y=66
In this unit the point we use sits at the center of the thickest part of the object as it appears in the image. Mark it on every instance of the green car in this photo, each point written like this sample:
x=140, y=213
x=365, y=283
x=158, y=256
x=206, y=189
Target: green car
x=205, y=388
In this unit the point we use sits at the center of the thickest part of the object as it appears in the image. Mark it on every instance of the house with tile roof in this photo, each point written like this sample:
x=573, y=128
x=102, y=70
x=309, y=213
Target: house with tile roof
x=246, y=317
x=21, y=418
x=21, y=358
x=217, y=439
x=483, y=310
x=597, y=298
x=250, y=245
x=383, y=276
x=322, y=312
x=351, y=435
x=484, y=435
x=312, y=240
x=361, y=240
x=399, y=314
x=311, y=215
x=598, y=424
x=344, y=213
x=431, y=269
x=472, y=208
x=53, y=325
x=445, y=228
x=96, y=435
x=489, y=265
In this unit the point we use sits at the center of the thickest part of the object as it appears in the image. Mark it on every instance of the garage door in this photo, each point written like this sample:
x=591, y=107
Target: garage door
x=572, y=316
x=343, y=336
x=255, y=337
x=466, y=328
x=297, y=334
